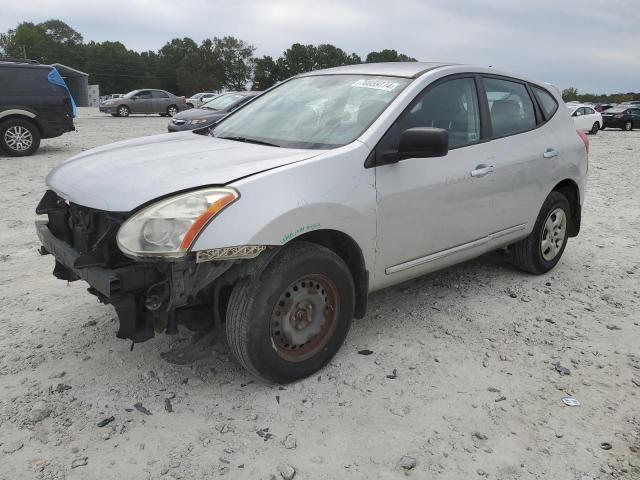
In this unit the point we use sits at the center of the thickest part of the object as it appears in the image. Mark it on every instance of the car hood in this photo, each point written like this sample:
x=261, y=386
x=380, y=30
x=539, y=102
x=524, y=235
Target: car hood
x=122, y=176
x=196, y=113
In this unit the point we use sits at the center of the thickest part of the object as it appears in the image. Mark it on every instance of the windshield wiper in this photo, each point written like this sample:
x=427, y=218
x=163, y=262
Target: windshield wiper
x=250, y=140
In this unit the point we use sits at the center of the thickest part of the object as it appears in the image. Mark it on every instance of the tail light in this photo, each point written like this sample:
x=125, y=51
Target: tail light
x=585, y=139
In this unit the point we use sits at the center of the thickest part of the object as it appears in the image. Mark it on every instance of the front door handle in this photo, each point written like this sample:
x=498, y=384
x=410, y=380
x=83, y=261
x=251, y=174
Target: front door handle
x=482, y=170
x=550, y=153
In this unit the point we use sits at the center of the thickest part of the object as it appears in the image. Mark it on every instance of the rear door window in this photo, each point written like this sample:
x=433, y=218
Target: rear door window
x=547, y=103
x=510, y=107
x=159, y=94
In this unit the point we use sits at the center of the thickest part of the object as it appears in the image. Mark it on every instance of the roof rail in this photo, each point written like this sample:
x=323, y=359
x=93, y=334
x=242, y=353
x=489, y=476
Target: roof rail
x=20, y=60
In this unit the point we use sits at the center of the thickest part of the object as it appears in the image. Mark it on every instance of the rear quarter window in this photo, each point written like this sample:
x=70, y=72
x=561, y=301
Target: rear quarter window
x=547, y=103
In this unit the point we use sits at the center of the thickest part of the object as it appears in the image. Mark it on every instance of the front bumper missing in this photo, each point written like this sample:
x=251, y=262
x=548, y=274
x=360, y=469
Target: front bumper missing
x=148, y=296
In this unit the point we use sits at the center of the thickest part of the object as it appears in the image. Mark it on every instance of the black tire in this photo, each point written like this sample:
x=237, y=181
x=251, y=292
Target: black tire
x=19, y=137
x=123, y=111
x=595, y=128
x=602, y=127
x=628, y=126
x=527, y=254
x=172, y=110
x=254, y=305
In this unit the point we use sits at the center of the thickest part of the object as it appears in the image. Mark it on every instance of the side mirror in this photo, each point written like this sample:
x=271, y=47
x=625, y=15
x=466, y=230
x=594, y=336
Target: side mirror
x=423, y=142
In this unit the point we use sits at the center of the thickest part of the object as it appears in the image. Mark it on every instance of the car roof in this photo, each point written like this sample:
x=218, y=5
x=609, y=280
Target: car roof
x=392, y=69
x=24, y=65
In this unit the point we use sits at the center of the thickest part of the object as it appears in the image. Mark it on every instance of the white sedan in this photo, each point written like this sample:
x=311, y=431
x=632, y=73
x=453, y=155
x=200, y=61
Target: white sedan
x=585, y=118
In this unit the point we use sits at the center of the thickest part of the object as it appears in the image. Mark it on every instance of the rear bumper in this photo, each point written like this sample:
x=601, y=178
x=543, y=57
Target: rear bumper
x=51, y=129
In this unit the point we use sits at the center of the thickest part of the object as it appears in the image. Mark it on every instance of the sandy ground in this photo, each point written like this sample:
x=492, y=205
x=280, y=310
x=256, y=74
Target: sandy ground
x=460, y=382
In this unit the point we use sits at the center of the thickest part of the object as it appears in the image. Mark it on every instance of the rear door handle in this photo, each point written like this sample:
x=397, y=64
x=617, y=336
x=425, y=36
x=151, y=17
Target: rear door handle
x=550, y=153
x=482, y=170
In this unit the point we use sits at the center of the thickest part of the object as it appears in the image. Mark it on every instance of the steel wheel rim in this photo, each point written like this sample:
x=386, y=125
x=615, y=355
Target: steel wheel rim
x=124, y=111
x=304, y=317
x=627, y=126
x=553, y=234
x=172, y=111
x=18, y=138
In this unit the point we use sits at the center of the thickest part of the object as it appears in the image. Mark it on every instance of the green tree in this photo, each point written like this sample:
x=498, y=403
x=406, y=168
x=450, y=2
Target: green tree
x=266, y=73
x=327, y=56
x=235, y=58
x=387, y=55
x=570, y=94
x=52, y=41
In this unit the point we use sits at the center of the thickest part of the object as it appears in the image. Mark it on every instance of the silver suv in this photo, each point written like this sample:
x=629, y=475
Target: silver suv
x=275, y=224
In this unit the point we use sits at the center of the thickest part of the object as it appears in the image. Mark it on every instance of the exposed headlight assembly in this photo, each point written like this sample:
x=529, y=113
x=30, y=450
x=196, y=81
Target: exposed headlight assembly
x=168, y=228
x=197, y=121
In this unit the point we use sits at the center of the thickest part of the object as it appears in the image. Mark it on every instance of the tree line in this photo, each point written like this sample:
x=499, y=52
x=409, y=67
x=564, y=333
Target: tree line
x=181, y=66
x=571, y=95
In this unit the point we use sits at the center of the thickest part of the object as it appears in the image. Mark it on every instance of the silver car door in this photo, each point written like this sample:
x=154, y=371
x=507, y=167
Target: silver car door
x=161, y=101
x=523, y=150
x=429, y=206
x=141, y=102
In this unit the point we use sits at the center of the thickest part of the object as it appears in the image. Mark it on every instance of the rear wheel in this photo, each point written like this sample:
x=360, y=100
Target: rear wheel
x=123, y=111
x=542, y=249
x=172, y=110
x=628, y=126
x=19, y=137
x=602, y=127
x=289, y=320
x=595, y=128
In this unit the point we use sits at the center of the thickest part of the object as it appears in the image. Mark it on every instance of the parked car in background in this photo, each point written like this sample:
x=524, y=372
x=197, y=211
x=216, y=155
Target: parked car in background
x=632, y=103
x=585, y=118
x=603, y=107
x=104, y=98
x=145, y=101
x=623, y=117
x=277, y=223
x=35, y=103
x=211, y=112
x=198, y=99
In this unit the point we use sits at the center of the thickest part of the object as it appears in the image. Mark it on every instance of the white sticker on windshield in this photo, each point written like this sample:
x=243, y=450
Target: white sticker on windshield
x=377, y=84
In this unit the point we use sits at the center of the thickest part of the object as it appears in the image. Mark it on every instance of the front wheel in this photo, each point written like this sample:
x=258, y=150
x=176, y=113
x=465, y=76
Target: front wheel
x=628, y=126
x=18, y=137
x=542, y=249
x=595, y=128
x=123, y=111
x=290, y=319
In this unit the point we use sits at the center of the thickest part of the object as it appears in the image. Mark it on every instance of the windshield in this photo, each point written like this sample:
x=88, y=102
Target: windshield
x=223, y=101
x=130, y=94
x=616, y=110
x=318, y=112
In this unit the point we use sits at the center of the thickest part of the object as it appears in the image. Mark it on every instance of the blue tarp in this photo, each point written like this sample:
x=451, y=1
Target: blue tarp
x=55, y=78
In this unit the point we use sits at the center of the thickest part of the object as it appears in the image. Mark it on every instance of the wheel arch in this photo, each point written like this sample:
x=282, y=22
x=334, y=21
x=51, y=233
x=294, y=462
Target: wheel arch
x=571, y=191
x=348, y=249
x=19, y=116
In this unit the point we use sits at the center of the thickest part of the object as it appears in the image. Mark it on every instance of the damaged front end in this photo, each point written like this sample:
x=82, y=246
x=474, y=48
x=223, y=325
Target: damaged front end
x=150, y=295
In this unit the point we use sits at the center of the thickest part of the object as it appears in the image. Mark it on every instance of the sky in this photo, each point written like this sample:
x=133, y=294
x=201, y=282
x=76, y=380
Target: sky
x=591, y=45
